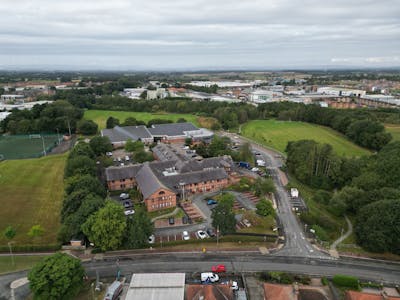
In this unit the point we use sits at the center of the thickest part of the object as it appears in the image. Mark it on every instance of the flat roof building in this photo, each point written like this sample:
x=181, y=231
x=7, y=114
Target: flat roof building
x=157, y=286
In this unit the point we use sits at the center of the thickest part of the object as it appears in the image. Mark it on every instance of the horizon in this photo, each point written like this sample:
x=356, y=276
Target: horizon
x=197, y=35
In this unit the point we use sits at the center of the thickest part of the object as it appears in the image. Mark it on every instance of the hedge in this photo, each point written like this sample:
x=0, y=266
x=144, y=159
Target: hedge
x=346, y=281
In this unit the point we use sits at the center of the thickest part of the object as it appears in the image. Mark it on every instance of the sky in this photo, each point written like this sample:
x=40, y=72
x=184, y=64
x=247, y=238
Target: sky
x=198, y=34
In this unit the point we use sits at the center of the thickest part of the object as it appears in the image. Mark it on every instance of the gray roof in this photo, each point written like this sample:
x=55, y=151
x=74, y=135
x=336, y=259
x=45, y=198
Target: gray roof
x=124, y=172
x=193, y=177
x=172, y=129
x=147, y=181
x=119, y=134
x=157, y=286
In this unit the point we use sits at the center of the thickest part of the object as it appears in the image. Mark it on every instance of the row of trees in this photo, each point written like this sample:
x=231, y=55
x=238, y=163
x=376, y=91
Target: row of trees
x=369, y=189
x=131, y=121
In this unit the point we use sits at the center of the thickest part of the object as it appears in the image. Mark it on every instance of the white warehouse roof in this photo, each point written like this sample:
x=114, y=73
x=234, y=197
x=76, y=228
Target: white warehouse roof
x=157, y=286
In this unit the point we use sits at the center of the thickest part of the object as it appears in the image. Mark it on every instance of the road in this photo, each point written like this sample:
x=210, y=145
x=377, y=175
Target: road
x=241, y=262
x=296, y=244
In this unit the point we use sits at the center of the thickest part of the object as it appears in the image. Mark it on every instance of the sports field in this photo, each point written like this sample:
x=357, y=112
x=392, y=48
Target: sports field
x=26, y=146
x=31, y=194
x=100, y=116
x=276, y=134
x=394, y=130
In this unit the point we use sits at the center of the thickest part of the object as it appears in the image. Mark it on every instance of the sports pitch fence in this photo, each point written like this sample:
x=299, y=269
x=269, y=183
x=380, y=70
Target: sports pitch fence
x=27, y=146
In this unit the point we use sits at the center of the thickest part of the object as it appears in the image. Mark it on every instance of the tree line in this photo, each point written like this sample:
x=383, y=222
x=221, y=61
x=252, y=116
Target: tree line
x=87, y=214
x=367, y=188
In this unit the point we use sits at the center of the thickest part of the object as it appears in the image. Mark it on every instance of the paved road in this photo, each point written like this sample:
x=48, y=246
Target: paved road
x=239, y=262
x=296, y=244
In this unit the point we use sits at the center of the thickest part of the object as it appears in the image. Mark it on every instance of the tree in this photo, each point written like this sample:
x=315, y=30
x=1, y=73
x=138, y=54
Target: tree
x=264, y=208
x=56, y=277
x=142, y=156
x=111, y=122
x=388, y=166
x=130, y=121
x=263, y=186
x=132, y=146
x=36, y=231
x=87, y=127
x=138, y=229
x=85, y=182
x=188, y=141
x=106, y=227
x=80, y=165
x=181, y=120
x=10, y=232
x=222, y=216
x=83, y=149
x=100, y=145
x=377, y=226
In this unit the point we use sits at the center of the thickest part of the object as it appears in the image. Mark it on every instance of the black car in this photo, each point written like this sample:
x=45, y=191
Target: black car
x=211, y=232
x=127, y=203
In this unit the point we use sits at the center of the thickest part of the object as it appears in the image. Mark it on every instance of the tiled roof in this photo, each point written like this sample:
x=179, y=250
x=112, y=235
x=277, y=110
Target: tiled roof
x=118, y=173
x=148, y=183
x=172, y=129
x=353, y=295
x=208, y=292
x=278, y=292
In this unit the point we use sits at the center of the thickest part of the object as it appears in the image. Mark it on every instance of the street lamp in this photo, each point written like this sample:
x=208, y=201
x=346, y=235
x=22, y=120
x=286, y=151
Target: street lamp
x=11, y=253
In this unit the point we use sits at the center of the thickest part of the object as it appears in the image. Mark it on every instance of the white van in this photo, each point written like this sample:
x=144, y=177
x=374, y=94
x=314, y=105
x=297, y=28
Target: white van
x=209, y=277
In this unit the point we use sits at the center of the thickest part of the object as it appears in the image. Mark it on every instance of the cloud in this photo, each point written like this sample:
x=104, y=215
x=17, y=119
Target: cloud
x=199, y=33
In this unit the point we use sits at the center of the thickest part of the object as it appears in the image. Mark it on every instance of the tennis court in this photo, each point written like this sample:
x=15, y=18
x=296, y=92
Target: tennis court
x=26, y=146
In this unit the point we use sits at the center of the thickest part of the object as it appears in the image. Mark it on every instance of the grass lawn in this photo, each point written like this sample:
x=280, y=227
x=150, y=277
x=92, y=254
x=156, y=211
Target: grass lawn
x=100, y=116
x=20, y=263
x=276, y=134
x=31, y=194
x=394, y=130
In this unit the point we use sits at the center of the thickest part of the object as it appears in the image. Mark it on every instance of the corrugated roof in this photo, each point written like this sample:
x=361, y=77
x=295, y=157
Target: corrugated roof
x=171, y=129
x=119, y=134
x=157, y=286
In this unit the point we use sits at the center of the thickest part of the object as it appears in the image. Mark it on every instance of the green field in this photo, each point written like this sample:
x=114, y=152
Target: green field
x=31, y=194
x=101, y=116
x=394, y=130
x=276, y=134
x=20, y=262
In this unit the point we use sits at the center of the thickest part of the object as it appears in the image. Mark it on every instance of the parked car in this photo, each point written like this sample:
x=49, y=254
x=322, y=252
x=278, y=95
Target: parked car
x=211, y=202
x=185, y=235
x=152, y=239
x=218, y=269
x=127, y=158
x=129, y=212
x=202, y=234
x=210, y=232
x=109, y=153
x=127, y=203
x=246, y=222
x=123, y=196
x=119, y=159
x=114, y=290
x=209, y=277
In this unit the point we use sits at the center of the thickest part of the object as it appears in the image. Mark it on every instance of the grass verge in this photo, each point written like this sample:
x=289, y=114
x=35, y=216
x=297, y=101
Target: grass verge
x=20, y=263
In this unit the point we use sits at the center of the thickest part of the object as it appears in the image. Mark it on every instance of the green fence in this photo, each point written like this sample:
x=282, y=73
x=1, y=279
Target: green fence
x=27, y=146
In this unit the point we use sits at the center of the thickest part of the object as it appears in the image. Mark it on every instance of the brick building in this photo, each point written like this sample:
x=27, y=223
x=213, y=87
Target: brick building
x=161, y=183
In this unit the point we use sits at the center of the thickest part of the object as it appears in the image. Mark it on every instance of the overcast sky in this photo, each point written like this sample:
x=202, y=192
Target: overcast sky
x=199, y=34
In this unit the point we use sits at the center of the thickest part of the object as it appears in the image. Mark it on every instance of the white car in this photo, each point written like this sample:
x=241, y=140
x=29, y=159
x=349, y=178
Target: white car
x=109, y=153
x=185, y=235
x=127, y=158
x=129, y=212
x=123, y=196
x=202, y=234
x=152, y=239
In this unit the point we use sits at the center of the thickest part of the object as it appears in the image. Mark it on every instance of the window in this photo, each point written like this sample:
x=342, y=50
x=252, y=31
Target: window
x=161, y=193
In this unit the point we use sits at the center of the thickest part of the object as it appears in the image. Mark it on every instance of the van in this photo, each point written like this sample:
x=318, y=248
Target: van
x=209, y=277
x=114, y=290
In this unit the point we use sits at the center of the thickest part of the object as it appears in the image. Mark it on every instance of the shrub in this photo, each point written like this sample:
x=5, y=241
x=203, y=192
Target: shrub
x=346, y=281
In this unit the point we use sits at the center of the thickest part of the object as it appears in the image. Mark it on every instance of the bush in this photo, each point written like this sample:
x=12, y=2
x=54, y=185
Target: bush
x=346, y=281
x=87, y=127
x=324, y=281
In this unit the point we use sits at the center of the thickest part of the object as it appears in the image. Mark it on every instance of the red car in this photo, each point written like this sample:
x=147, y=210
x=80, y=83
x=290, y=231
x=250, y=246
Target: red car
x=218, y=269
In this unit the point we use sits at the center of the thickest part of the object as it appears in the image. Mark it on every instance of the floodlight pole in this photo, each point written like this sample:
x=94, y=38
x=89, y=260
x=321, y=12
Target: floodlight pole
x=44, y=148
x=11, y=253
